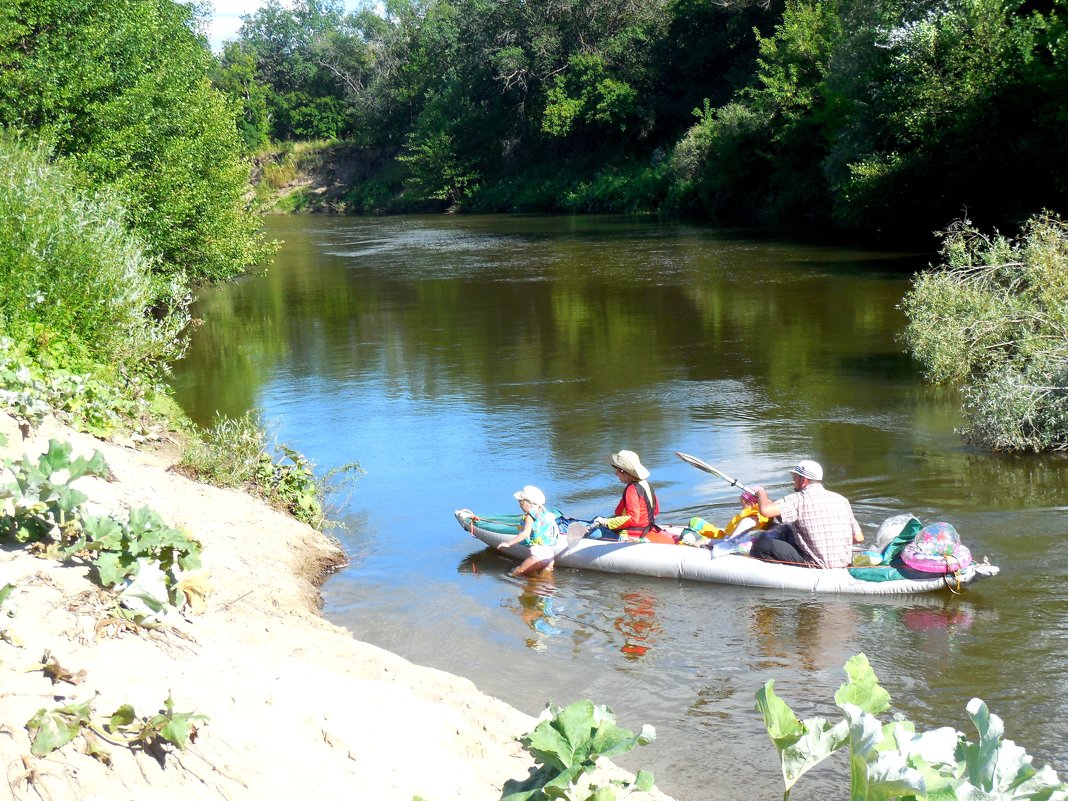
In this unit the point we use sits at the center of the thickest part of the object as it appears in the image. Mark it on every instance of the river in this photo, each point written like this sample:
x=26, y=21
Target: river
x=458, y=358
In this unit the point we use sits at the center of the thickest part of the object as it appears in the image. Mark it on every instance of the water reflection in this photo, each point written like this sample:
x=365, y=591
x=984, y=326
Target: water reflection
x=534, y=605
x=638, y=624
x=813, y=635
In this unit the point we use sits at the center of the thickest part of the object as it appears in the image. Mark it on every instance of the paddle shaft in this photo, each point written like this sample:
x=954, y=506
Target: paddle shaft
x=703, y=465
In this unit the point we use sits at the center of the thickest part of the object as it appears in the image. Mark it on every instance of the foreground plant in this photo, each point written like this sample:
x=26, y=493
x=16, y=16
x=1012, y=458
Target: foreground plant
x=567, y=744
x=892, y=761
x=51, y=729
x=43, y=506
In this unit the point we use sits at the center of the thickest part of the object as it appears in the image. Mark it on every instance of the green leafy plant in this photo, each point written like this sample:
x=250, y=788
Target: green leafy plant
x=29, y=391
x=234, y=453
x=51, y=729
x=45, y=507
x=893, y=761
x=117, y=547
x=567, y=743
x=43, y=502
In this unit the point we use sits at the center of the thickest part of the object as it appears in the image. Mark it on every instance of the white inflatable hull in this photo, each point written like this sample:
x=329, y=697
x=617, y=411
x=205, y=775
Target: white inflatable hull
x=700, y=564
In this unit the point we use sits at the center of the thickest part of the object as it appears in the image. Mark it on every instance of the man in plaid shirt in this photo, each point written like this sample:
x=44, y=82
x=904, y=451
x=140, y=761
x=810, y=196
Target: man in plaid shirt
x=818, y=528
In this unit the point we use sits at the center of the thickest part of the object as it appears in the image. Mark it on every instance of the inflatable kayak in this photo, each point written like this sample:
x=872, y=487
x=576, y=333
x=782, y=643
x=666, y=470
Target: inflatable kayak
x=722, y=564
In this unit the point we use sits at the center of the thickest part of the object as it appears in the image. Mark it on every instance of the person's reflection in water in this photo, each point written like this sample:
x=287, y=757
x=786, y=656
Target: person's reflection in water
x=638, y=624
x=535, y=607
x=816, y=635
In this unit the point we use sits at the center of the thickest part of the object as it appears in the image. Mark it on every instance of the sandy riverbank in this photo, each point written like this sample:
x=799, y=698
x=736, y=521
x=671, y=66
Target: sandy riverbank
x=297, y=708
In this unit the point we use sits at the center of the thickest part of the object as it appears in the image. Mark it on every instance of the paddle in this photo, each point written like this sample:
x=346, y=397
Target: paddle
x=702, y=465
x=576, y=530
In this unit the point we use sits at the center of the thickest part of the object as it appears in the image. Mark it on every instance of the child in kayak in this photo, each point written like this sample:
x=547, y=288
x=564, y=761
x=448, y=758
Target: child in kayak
x=539, y=532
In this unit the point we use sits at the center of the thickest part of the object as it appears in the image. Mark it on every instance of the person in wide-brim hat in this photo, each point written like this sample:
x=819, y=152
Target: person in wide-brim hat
x=629, y=462
x=636, y=512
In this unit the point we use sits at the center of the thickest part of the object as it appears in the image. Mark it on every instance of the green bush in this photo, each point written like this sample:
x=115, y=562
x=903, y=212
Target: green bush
x=121, y=88
x=632, y=188
x=233, y=453
x=994, y=318
x=718, y=169
x=75, y=287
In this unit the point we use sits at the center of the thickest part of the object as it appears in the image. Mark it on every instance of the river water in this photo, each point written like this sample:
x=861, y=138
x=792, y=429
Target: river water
x=459, y=358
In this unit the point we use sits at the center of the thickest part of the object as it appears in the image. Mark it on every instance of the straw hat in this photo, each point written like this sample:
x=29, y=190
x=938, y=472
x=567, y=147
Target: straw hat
x=809, y=469
x=532, y=494
x=629, y=461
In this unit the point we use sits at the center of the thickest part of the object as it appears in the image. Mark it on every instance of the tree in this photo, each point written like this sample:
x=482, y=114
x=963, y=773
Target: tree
x=121, y=88
x=235, y=76
x=994, y=317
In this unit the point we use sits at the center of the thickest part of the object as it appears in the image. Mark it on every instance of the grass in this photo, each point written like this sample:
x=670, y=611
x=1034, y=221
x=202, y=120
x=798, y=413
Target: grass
x=234, y=453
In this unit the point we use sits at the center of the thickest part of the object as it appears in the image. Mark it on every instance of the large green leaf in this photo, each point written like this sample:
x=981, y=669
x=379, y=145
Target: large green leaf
x=610, y=740
x=560, y=785
x=93, y=466
x=1000, y=770
x=56, y=458
x=862, y=688
x=144, y=520
x=801, y=746
x=549, y=746
x=103, y=532
x=819, y=740
x=782, y=724
x=643, y=781
x=67, y=498
x=937, y=748
x=123, y=716
x=54, y=728
x=875, y=774
x=112, y=568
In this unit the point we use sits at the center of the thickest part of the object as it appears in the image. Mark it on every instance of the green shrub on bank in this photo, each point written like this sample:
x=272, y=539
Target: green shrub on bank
x=233, y=453
x=76, y=289
x=629, y=189
x=121, y=88
x=994, y=318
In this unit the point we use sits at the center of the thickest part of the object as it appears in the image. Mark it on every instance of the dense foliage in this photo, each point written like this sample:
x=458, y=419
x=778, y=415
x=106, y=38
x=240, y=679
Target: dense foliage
x=893, y=760
x=994, y=316
x=121, y=89
x=868, y=115
x=122, y=183
x=76, y=288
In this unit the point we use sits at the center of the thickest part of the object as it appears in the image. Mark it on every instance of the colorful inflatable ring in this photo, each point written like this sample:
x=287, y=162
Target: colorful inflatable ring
x=924, y=561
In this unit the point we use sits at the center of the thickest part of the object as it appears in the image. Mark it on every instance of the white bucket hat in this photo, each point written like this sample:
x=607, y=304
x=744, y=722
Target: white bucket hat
x=629, y=461
x=532, y=494
x=809, y=469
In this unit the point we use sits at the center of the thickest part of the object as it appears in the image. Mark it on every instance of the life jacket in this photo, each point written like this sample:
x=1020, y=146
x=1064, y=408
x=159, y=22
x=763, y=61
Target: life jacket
x=650, y=506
